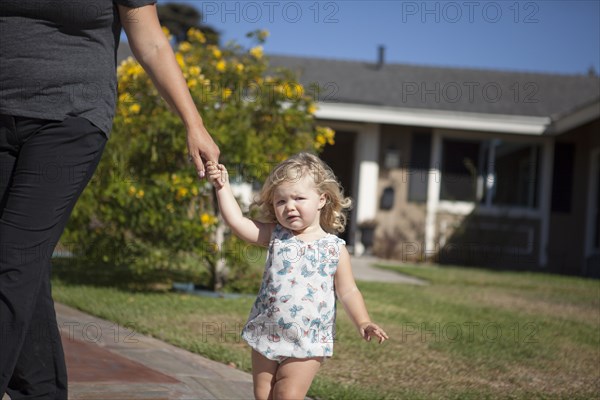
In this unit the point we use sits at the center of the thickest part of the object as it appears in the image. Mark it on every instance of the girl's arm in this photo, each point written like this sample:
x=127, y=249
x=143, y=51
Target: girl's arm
x=153, y=51
x=245, y=228
x=352, y=300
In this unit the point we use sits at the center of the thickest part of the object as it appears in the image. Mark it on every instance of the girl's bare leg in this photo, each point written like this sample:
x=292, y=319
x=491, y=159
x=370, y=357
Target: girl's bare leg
x=263, y=376
x=294, y=377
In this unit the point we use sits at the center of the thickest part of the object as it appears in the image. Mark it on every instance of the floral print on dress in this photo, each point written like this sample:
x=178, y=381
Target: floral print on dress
x=294, y=312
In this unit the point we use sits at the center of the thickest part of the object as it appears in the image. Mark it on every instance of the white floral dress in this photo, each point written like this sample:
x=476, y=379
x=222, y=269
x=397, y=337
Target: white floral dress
x=294, y=313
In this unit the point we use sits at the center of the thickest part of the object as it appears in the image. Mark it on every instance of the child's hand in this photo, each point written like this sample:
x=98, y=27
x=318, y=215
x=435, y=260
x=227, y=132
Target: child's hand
x=369, y=330
x=217, y=174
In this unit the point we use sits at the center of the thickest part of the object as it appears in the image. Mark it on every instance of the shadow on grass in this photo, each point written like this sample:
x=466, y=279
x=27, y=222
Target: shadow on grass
x=74, y=271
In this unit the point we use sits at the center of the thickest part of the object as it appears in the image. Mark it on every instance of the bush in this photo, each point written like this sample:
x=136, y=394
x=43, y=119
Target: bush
x=145, y=209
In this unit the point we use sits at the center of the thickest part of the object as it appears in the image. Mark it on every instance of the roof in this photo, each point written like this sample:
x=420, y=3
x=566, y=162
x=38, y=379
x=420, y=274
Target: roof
x=445, y=89
x=439, y=88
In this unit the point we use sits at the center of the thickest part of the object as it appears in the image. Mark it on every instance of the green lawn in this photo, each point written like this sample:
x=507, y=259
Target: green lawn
x=469, y=334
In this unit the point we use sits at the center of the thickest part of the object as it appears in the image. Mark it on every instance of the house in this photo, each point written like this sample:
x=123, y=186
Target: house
x=465, y=166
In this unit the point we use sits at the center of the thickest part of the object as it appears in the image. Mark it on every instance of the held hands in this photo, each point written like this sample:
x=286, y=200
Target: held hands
x=217, y=174
x=368, y=330
x=201, y=149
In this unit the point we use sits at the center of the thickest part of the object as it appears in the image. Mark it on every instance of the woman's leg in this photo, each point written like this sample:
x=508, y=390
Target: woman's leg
x=263, y=376
x=294, y=377
x=46, y=165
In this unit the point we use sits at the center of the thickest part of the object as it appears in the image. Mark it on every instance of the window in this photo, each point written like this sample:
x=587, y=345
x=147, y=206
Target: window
x=516, y=171
x=562, y=177
x=597, y=210
x=420, y=155
x=462, y=169
x=491, y=172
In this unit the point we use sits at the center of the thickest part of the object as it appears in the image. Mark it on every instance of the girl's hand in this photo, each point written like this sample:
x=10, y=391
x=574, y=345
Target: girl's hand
x=369, y=330
x=217, y=174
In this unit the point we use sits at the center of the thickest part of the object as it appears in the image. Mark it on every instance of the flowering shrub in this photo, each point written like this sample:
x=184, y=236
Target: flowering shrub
x=145, y=209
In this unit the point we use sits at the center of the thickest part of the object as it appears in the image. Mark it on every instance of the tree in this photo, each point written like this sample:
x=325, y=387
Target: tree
x=145, y=210
x=179, y=18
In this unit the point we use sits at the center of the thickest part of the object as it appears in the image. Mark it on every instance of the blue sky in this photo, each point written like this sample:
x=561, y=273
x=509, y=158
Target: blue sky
x=543, y=36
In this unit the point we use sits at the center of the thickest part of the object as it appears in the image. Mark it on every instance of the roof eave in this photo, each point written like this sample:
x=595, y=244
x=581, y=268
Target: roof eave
x=516, y=124
x=576, y=118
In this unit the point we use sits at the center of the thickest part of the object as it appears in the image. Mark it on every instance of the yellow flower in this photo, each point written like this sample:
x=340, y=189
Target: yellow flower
x=280, y=157
x=192, y=83
x=194, y=70
x=179, y=58
x=207, y=219
x=195, y=191
x=134, y=70
x=239, y=67
x=181, y=193
x=257, y=52
x=217, y=53
x=312, y=109
x=226, y=93
x=324, y=136
x=134, y=108
x=221, y=66
x=294, y=90
x=195, y=34
x=184, y=47
x=131, y=190
x=329, y=135
x=263, y=34
x=140, y=194
x=166, y=31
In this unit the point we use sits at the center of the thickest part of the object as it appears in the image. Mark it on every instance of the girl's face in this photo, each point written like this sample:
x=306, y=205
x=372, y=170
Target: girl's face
x=297, y=205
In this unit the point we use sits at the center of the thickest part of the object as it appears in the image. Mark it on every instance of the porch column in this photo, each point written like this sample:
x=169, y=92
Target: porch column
x=545, y=196
x=366, y=175
x=433, y=193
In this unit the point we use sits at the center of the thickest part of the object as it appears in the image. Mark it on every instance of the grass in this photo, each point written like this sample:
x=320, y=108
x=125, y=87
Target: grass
x=469, y=334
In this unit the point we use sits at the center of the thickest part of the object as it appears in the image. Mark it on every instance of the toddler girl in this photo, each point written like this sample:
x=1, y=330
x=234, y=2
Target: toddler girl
x=291, y=327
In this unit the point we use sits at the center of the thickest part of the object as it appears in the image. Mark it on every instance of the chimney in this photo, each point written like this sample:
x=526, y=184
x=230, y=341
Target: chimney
x=591, y=72
x=380, y=56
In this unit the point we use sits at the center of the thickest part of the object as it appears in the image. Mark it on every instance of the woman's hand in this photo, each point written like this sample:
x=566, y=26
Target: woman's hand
x=369, y=330
x=201, y=149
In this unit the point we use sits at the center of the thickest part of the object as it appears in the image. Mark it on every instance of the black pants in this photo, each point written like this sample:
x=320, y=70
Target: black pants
x=44, y=167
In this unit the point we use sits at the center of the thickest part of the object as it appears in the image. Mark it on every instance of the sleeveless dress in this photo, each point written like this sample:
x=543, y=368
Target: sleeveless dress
x=294, y=312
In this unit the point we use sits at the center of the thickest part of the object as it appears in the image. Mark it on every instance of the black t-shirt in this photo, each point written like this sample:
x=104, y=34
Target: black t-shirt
x=58, y=58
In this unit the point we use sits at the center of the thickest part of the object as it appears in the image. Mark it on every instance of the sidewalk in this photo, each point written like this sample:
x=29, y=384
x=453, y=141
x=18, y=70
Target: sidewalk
x=363, y=270
x=109, y=362
x=106, y=361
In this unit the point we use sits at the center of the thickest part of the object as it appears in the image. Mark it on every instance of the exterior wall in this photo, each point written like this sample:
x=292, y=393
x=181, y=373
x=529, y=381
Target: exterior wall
x=566, y=246
x=461, y=232
x=400, y=230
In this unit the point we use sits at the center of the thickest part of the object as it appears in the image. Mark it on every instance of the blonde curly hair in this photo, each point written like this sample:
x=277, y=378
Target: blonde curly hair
x=333, y=214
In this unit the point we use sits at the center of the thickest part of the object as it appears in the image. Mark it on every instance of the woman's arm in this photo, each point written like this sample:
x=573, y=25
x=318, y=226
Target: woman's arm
x=245, y=228
x=352, y=300
x=153, y=51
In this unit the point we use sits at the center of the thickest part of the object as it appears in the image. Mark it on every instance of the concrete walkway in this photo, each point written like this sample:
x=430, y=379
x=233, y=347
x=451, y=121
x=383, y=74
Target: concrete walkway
x=363, y=270
x=106, y=361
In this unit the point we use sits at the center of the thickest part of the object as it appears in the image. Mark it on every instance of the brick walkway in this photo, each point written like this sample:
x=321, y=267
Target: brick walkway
x=109, y=362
